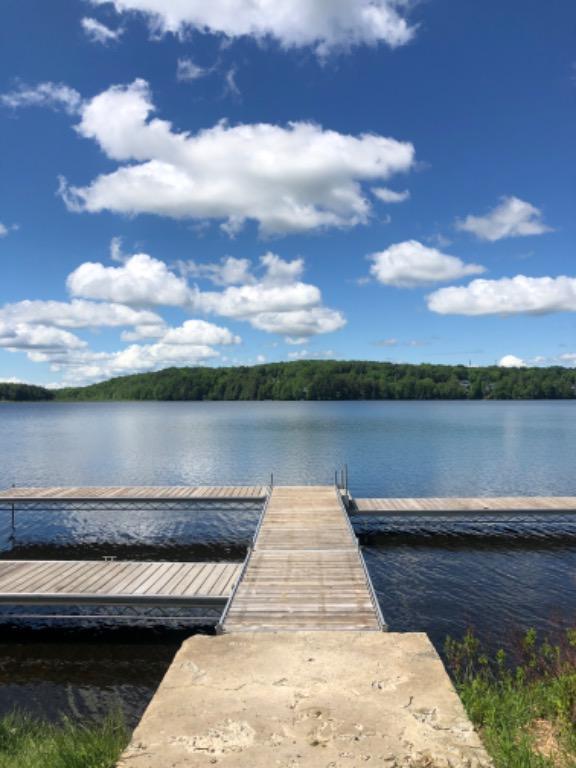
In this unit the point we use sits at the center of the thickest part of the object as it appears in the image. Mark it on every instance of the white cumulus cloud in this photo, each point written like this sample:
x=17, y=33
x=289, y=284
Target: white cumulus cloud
x=324, y=25
x=84, y=367
x=97, y=32
x=199, y=332
x=189, y=344
x=278, y=302
x=507, y=296
x=298, y=325
x=141, y=280
x=76, y=314
x=229, y=271
x=511, y=218
x=52, y=95
x=275, y=301
x=21, y=336
x=411, y=264
x=390, y=195
x=511, y=361
x=293, y=178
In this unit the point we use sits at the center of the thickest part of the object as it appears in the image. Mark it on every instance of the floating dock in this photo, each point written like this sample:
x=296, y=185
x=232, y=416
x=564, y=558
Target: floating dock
x=83, y=582
x=419, y=506
x=139, y=493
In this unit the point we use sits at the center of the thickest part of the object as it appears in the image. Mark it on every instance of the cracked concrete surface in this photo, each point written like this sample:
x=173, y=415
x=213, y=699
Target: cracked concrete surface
x=303, y=700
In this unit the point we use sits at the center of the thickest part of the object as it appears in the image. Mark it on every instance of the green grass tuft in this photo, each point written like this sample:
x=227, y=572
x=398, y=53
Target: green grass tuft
x=526, y=711
x=26, y=742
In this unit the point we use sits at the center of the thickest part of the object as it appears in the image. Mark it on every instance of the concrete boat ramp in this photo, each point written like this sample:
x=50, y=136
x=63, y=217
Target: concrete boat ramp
x=301, y=672
x=303, y=700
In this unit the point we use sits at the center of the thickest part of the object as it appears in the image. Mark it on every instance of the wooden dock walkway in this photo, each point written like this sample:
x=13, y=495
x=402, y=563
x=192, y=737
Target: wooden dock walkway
x=415, y=506
x=85, y=582
x=305, y=571
x=134, y=493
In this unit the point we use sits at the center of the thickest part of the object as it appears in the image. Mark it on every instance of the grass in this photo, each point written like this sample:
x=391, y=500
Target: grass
x=26, y=742
x=525, y=711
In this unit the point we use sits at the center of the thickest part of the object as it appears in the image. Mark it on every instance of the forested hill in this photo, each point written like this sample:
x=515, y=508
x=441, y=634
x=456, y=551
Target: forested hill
x=320, y=380
x=19, y=392
x=334, y=380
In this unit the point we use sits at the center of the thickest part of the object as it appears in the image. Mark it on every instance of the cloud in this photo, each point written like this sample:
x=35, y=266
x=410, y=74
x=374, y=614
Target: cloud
x=279, y=302
x=189, y=344
x=199, y=332
x=12, y=380
x=83, y=367
x=141, y=280
x=230, y=271
x=4, y=230
x=76, y=314
x=390, y=196
x=304, y=354
x=276, y=301
x=511, y=361
x=296, y=178
x=411, y=265
x=507, y=296
x=298, y=325
x=97, y=32
x=326, y=26
x=116, y=253
x=231, y=88
x=21, y=336
x=187, y=70
x=512, y=218
x=52, y=95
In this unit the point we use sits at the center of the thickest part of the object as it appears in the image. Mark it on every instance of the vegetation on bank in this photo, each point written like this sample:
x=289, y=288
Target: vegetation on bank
x=26, y=742
x=321, y=380
x=525, y=711
x=21, y=392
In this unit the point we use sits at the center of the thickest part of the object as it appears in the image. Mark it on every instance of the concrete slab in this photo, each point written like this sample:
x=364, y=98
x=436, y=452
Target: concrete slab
x=303, y=700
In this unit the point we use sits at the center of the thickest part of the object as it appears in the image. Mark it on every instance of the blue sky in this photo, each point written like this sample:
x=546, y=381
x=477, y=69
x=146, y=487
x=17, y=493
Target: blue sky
x=237, y=182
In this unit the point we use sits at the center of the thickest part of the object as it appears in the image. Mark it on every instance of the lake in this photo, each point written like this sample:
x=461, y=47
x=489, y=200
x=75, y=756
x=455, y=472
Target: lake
x=438, y=576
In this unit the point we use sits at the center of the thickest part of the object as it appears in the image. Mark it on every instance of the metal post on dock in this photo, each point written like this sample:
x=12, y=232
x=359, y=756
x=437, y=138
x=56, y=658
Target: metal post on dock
x=346, y=476
x=13, y=514
x=271, y=479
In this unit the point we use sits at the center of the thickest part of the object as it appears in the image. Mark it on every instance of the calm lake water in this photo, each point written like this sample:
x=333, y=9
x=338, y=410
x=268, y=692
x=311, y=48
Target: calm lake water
x=439, y=575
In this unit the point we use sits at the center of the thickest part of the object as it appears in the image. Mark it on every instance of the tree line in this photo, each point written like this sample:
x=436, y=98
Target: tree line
x=321, y=380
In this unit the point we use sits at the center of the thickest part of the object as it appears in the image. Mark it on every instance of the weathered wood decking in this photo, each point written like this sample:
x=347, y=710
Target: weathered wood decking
x=52, y=582
x=305, y=571
x=472, y=504
x=133, y=493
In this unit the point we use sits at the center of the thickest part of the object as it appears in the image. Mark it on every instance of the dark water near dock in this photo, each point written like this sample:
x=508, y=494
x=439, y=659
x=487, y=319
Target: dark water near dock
x=439, y=576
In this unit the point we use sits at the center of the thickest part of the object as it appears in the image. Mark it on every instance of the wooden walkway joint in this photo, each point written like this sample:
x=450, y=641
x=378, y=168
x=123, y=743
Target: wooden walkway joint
x=305, y=571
